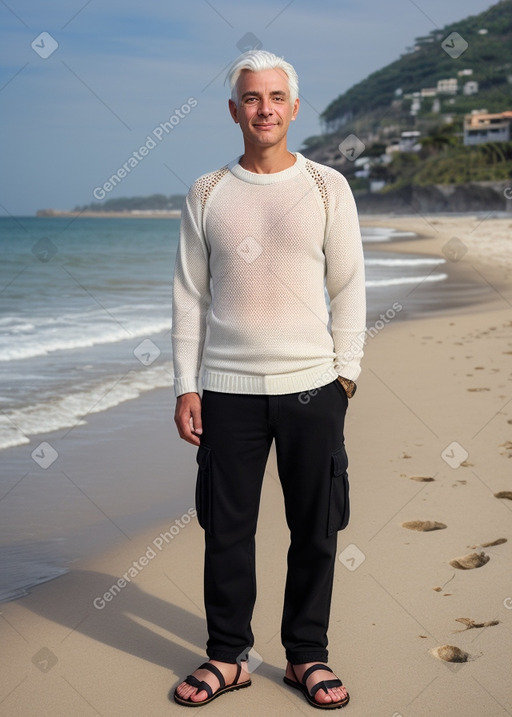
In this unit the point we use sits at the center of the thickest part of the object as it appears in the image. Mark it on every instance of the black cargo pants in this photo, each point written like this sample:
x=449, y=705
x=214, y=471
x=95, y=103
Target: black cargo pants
x=312, y=463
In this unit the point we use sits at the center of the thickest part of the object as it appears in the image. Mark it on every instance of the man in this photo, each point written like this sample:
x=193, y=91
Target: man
x=261, y=238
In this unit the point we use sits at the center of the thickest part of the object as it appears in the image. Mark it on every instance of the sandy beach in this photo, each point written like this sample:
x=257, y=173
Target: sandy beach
x=429, y=440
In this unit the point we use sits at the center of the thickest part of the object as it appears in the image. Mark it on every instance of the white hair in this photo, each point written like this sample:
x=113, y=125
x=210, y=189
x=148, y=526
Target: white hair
x=256, y=61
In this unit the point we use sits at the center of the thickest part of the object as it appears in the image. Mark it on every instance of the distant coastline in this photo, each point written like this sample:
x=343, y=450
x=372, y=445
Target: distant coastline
x=132, y=214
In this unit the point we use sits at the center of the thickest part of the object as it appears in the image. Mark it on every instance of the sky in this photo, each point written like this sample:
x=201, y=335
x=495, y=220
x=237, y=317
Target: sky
x=77, y=101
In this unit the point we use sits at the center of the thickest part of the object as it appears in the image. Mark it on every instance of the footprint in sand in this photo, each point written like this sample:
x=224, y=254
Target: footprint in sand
x=498, y=541
x=508, y=447
x=469, y=623
x=423, y=525
x=422, y=479
x=470, y=561
x=449, y=653
x=504, y=494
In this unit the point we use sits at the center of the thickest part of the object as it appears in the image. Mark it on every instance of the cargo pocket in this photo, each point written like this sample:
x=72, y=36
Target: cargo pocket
x=204, y=488
x=339, y=503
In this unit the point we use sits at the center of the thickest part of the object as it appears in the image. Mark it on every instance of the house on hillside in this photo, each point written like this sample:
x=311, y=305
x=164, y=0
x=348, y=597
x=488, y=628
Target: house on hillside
x=447, y=87
x=408, y=142
x=470, y=88
x=482, y=127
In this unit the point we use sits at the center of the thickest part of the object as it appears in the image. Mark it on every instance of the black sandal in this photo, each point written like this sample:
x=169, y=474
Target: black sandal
x=325, y=685
x=202, y=685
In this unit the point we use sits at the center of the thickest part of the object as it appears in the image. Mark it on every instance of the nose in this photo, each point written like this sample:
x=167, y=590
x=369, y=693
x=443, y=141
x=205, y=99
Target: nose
x=264, y=107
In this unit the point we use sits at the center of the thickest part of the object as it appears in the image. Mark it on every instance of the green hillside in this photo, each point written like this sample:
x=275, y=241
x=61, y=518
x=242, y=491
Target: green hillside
x=488, y=55
x=155, y=202
x=380, y=107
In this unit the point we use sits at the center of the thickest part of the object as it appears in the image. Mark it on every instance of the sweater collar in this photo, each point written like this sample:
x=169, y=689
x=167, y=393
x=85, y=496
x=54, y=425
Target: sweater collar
x=255, y=178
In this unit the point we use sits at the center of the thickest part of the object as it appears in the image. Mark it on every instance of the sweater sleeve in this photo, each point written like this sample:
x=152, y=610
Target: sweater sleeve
x=191, y=297
x=345, y=278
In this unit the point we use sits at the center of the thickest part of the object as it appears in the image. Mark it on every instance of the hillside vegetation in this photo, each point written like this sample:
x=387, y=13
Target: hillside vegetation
x=378, y=109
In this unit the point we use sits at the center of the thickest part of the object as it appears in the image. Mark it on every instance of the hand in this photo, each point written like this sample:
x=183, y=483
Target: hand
x=187, y=417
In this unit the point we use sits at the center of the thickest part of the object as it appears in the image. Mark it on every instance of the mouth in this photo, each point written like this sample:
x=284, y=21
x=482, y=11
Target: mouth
x=264, y=125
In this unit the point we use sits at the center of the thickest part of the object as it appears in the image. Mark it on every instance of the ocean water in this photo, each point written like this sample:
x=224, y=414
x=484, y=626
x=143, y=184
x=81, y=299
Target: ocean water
x=85, y=313
x=85, y=319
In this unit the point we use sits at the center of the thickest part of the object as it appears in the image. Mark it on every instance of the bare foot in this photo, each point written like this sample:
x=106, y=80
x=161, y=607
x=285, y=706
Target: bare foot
x=228, y=670
x=334, y=694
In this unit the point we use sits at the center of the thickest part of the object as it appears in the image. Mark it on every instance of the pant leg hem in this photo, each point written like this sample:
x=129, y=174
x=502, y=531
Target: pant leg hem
x=223, y=656
x=299, y=658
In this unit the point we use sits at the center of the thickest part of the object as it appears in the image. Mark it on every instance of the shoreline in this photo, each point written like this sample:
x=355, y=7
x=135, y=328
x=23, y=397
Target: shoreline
x=132, y=214
x=99, y=434
x=463, y=241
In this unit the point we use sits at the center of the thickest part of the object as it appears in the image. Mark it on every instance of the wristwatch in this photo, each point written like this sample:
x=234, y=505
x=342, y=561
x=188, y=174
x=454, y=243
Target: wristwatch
x=349, y=386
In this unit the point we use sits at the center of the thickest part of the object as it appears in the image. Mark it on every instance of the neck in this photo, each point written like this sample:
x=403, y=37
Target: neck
x=266, y=160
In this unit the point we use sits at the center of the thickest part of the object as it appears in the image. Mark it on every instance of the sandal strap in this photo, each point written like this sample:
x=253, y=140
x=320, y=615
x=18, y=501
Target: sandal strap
x=218, y=674
x=312, y=669
x=201, y=685
x=238, y=671
x=325, y=685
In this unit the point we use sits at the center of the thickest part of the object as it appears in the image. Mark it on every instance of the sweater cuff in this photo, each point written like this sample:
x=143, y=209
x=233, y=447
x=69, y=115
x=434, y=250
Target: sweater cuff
x=186, y=384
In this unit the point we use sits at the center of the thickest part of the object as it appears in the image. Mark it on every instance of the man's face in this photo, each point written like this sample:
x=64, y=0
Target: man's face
x=264, y=111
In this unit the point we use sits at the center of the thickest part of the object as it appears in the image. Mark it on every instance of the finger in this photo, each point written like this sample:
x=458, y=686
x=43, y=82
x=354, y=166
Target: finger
x=195, y=421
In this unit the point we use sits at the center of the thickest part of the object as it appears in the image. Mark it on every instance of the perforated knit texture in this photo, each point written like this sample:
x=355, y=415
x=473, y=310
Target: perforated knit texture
x=252, y=266
x=318, y=176
x=204, y=186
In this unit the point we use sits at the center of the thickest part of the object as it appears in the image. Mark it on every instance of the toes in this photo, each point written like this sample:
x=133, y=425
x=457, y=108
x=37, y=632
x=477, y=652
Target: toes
x=338, y=694
x=324, y=698
x=199, y=696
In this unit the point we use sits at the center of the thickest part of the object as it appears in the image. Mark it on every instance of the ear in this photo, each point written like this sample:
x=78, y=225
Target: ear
x=233, y=110
x=295, y=108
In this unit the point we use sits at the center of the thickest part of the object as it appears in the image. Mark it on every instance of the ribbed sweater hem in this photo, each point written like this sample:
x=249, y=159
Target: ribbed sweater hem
x=270, y=385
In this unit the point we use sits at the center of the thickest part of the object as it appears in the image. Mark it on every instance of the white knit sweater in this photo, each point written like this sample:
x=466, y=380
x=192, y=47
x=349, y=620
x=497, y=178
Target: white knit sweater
x=256, y=252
